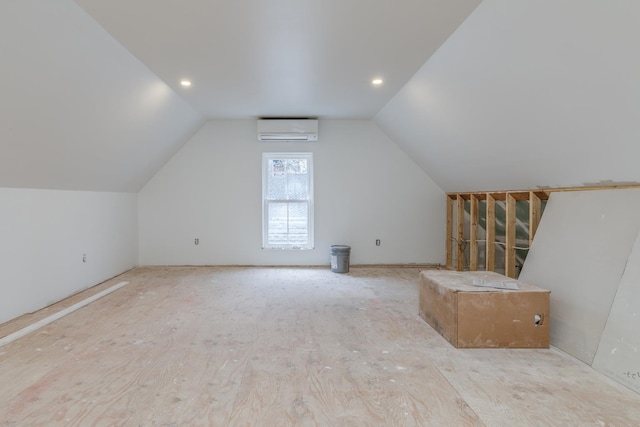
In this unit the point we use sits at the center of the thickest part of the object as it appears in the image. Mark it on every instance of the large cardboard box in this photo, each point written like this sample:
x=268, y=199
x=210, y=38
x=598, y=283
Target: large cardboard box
x=475, y=316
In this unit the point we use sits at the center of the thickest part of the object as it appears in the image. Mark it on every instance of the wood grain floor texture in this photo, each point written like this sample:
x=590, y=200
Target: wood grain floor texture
x=226, y=346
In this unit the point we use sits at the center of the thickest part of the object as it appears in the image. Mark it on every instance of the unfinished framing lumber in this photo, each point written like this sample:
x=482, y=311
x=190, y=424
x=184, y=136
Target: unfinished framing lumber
x=535, y=211
x=450, y=238
x=473, y=233
x=456, y=236
x=491, y=234
x=28, y=329
x=510, y=238
x=460, y=243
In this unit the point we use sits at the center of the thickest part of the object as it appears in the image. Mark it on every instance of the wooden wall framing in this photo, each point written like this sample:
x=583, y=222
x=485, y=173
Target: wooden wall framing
x=463, y=226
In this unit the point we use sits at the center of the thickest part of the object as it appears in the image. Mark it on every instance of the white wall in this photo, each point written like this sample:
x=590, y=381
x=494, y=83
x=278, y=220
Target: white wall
x=366, y=188
x=43, y=236
x=587, y=253
x=579, y=253
x=526, y=94
x=618, y=353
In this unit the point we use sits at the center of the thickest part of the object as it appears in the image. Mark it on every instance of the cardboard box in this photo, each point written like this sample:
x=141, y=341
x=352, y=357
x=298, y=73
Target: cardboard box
x=474, y=317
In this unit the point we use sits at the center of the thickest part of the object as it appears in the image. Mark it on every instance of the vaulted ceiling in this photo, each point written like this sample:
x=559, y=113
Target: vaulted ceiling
x=251, y=58
x=527, y=94
x=91, y=96
x=77, y=110
x=507, y=94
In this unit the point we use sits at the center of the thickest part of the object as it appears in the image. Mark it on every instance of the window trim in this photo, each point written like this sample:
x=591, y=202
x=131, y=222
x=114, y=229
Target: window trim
x=266, y=157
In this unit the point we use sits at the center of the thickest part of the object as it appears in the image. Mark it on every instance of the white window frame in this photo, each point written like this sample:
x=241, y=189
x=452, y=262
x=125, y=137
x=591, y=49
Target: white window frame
x=266, y=157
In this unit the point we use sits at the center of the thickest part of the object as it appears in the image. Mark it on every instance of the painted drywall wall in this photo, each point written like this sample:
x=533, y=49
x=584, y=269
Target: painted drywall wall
x=527, y=94
x=44, y=235
x=618, y=354
x=580, y=253
x=78, y=111
x=365, y=189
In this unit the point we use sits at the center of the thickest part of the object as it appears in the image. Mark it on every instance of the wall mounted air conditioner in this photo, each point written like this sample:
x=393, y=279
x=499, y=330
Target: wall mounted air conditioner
x=287, y=130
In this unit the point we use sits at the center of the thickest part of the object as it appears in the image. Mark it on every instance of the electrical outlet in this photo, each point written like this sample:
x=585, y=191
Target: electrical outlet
x=197, y=241
x=377, y=242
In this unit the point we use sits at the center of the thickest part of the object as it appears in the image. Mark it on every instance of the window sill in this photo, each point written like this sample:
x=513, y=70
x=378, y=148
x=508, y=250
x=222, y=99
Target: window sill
x=292, y=248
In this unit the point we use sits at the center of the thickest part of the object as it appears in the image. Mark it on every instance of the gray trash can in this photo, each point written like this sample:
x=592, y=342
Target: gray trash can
x=340, y=258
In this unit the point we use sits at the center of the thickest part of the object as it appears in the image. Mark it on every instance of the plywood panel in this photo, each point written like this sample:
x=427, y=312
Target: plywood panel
x=439, y=308
x=471, y=316
x=225, y=346
x=502, y=319
x=579, y=253
x=552, y=389
x=618, y=354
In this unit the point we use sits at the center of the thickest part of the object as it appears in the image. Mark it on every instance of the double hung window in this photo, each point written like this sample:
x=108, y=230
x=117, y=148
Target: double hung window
x=287, y=200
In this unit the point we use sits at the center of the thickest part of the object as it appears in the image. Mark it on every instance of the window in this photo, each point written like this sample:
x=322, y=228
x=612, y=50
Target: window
x=287, y=200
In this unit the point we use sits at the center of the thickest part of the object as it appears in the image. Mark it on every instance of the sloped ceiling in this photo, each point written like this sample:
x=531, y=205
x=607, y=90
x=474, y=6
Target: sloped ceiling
x=90, y=95
x=523, y=94
x=527, y=94
x=77, y=110
x=251, y=58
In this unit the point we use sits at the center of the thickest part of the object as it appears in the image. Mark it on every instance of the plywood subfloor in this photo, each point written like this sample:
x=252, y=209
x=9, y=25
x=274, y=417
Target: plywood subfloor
x=215, y=346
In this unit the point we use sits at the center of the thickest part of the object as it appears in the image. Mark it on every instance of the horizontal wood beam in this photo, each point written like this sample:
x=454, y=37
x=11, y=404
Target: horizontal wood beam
x=519, y=195
x=542, y=193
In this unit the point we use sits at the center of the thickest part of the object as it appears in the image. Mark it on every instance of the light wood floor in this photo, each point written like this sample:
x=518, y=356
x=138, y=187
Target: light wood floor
x=200, y=346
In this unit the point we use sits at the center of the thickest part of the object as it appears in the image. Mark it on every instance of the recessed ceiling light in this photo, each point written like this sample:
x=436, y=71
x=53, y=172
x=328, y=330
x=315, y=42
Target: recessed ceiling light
x=376, y=82
x=185, y=83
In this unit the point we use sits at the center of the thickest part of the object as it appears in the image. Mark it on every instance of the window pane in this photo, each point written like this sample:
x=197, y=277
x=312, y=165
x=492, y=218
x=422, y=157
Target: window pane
x=288, y=223
x=298, y=233
x=277, y=180
x=287, y=200
x=277, y=224
x=297, y=187
x=288, y=179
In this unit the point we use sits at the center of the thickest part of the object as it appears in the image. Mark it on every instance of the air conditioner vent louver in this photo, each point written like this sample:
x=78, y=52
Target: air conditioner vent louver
x=287, y=130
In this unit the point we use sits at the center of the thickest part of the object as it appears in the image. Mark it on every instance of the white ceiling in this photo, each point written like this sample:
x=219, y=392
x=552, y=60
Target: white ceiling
x=77, y=111
x=522, y=94
x=282, y=58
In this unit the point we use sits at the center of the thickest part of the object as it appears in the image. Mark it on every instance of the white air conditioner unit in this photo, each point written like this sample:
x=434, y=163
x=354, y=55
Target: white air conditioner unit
x=287, y=130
